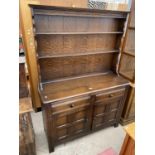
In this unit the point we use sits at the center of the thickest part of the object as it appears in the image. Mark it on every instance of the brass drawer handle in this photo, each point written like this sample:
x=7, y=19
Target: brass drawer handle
x=72, y=105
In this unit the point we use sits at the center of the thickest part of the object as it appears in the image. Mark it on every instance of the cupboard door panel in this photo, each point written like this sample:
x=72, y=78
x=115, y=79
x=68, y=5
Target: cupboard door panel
x=106, y=112
x=71, y=118
x=70, y=131
x=74, y=117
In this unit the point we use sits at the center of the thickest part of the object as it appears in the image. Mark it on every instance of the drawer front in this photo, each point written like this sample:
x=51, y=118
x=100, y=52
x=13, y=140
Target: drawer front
x=109, y=95
x=106, y=112
x=70, y=106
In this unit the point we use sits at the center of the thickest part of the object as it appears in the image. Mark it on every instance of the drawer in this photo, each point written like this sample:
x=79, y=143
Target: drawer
x=72, y=106
x=110, y=95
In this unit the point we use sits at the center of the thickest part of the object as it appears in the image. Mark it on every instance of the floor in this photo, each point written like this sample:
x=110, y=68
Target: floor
x=88, y=145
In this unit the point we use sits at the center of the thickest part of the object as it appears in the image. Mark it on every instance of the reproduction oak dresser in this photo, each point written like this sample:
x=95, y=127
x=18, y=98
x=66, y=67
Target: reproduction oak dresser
x=77, y=53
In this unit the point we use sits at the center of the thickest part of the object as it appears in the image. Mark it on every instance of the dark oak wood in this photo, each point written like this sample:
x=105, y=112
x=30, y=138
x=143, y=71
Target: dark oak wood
x=62, y=89
x=77, y=52
x=72, y=5
x=57, y=68
x=77, y=116
x=75, y=44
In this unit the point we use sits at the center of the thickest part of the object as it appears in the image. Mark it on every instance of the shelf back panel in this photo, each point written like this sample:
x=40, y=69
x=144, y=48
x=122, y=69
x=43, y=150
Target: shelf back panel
x=48, y=45
x=44, y=24
x=66, y=37
x=56, y=68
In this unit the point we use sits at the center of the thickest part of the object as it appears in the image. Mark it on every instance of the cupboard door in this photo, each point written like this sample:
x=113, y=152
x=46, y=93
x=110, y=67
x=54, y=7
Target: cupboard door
x=72, y=118
x=72, y=124
x=106, y=112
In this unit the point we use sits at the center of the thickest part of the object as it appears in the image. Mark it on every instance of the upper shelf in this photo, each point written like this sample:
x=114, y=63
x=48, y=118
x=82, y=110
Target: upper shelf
x=78, y=15
x=75, y=33
x=86, y=12
x=42, y=56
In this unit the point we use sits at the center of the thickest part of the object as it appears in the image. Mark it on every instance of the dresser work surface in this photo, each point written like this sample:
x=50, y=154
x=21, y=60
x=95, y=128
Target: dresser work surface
x=80, y=86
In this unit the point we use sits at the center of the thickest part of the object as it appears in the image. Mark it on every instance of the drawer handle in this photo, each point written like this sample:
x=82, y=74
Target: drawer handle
x=72, y=105
x=111, y=95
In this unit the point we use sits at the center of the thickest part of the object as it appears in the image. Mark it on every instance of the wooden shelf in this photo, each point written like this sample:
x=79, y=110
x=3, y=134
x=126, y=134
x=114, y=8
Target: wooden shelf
x=78, y=15
x=75, y=33
x=71, y=87
x=76, y=54
x=80, y=12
